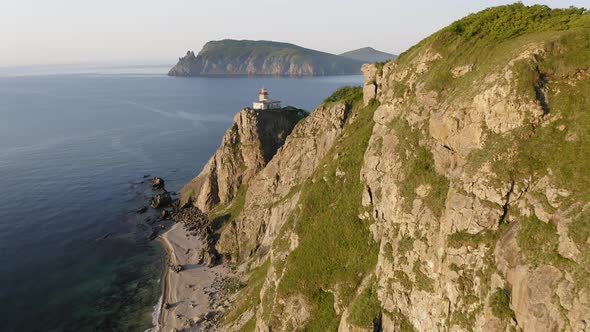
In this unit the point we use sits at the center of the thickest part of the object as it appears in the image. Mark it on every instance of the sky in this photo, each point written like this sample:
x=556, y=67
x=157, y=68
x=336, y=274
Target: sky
x=40, y=32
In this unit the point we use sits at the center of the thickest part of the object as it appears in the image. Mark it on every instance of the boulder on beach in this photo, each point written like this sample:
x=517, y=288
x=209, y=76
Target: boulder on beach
x=176, y=268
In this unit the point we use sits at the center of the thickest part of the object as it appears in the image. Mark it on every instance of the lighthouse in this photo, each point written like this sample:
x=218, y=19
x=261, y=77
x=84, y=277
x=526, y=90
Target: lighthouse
x=264, y=102
x=263, y=94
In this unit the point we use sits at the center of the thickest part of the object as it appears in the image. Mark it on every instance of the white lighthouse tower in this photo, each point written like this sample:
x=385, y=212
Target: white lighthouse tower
x=264, y=102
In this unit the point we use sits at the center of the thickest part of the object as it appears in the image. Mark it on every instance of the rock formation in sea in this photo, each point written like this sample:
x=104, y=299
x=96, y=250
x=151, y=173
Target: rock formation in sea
x=450, y=193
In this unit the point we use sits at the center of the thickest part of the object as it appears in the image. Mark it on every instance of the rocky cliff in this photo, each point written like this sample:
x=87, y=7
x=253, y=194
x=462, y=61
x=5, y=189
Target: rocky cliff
x=247, y=146
x=248, y=57
x=450, y=193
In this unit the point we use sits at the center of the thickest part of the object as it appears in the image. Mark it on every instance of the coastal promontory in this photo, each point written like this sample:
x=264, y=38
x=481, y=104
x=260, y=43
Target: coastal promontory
x=248, y=57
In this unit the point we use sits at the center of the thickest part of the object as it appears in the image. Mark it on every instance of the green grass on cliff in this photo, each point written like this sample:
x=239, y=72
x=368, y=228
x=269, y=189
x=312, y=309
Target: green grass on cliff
x=365, y=307
x=579, y=230
x=249, y=297
x=418, y=169
x=335, y=249
x=464, y=238
x=294, y=113
x=554, y=149
x=223, y=215
x=539, y=243
x=500, y=303
x=489, y=40
x=348, y=94
x=507, y=22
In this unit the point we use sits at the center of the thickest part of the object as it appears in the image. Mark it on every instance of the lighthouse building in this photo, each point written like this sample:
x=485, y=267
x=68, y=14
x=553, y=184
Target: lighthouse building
x=264, y=102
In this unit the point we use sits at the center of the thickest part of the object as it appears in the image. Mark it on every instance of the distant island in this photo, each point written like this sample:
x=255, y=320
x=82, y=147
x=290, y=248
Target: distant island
x=369, y=55
x=247, y=57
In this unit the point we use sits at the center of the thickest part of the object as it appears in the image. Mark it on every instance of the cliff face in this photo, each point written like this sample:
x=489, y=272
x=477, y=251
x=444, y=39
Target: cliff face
x=245, y=57
x=245, y=149
x=470, y=176
x=451, y=192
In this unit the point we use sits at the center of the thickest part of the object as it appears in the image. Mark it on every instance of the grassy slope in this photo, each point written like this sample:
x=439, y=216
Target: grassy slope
x=365, y=307
x=249, y=297
x=418, y=169
x=489, y=39
x=335, y=249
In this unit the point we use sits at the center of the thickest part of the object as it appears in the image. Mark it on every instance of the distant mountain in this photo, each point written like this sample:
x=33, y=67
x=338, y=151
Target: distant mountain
x=248, y=57
x=368, y=55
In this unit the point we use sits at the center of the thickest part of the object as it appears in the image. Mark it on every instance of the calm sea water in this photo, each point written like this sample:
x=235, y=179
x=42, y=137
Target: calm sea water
x=74, y=148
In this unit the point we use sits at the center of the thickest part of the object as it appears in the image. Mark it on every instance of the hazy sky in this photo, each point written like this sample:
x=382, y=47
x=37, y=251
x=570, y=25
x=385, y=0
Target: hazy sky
x=159, y=31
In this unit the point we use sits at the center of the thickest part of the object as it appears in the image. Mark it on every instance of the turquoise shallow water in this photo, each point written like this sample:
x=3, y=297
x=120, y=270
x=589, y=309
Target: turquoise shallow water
x=74, y=256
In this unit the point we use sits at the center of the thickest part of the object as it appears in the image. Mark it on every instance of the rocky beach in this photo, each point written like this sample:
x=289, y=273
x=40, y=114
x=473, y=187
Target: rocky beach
x=191, y=297
x=193, y=282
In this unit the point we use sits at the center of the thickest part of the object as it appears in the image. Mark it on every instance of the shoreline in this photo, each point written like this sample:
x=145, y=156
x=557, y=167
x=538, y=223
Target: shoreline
x=191, y=297
x=164, y=284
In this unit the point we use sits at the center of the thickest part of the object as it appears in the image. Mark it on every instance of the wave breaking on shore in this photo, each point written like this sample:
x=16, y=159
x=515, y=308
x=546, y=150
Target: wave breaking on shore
x=156, y=316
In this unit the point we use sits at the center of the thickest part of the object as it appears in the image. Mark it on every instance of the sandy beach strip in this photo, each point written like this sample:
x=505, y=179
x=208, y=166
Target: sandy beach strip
x=185, y=297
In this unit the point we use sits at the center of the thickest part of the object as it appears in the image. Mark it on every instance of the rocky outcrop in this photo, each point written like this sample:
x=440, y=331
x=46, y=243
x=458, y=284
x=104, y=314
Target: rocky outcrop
x=451, y=196
x=161, y=200
x=245, y=149
x=247, y=57
x=370, y=86
x=273, y=193
x=158, y=183
x=185, y=66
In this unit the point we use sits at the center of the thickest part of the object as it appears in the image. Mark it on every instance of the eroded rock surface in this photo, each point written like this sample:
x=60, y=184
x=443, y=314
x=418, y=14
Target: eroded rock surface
x=245, y=149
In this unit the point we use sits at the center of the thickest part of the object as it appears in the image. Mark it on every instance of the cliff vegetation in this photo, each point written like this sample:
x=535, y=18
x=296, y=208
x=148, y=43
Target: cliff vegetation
x=450, y=193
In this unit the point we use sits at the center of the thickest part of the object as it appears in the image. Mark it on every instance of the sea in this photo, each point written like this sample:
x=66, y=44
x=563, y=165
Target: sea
x=77, y=147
